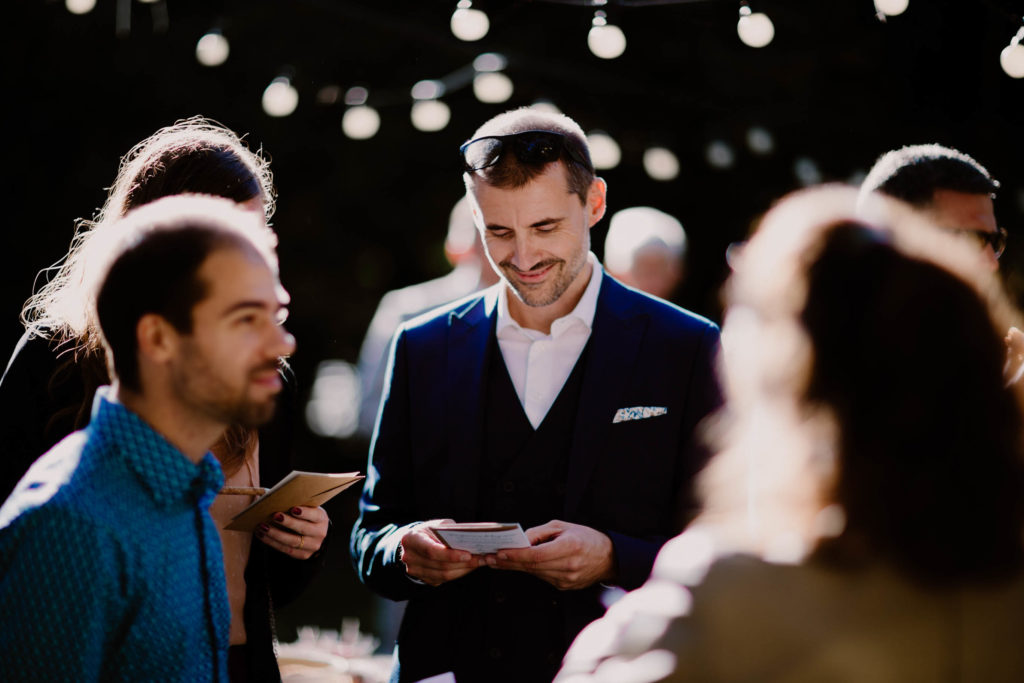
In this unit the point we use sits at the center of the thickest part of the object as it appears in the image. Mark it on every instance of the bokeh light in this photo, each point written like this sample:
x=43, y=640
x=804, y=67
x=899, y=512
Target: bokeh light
x=604, y=151
x=430, y=115
x=891, y=8
x=80, y=6
x=492, y=87
x=755, y=29
x=280, y=98
x=212, y=49
x=360, y=122
x=469, y=24
x=661, y=164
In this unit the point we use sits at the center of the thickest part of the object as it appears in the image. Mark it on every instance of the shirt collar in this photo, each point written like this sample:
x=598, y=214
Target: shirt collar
x=583, y=312
x=164, y=471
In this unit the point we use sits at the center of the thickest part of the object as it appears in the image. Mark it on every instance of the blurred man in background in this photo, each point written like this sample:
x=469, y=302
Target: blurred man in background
x=471, y=272
x=646, y=248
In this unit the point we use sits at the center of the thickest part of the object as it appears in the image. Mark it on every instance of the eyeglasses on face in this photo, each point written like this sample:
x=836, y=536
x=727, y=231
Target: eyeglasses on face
x=996, y=239
x=529, y=146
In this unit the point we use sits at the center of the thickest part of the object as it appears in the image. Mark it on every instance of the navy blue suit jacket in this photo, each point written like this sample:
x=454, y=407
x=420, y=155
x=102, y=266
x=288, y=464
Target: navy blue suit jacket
x=630, y=480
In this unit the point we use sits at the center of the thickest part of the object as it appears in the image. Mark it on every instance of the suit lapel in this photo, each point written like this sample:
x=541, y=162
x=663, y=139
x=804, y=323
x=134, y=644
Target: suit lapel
x=469, y=329
x=614, y=346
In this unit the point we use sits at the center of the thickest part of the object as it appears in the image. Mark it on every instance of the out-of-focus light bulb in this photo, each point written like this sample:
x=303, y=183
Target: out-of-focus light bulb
x=490, y=61
x=755, y=29
x=891, y=8
x=356, y=95
x=212, y=49
x=469, y=24
x=605, y=40
x=807, y=171
x=80, y=6
x=430, y=115
x=604, y=151
x=661, y=163
x=333, y=408
x=720, y=155
x=280, y=98
x=760, y=141
x=1012, y=60
x=427, y=89
x=360, y=122
x=492, y=87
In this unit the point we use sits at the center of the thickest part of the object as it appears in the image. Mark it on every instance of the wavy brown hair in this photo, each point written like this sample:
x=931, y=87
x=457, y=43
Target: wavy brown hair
x=868, y=416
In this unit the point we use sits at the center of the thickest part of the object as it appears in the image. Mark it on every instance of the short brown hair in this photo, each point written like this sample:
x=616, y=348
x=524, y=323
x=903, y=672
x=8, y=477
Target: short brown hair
x=511, y=172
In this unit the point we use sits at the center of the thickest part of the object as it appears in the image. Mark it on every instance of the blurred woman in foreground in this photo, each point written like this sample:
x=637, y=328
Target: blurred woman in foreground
x=863, y=519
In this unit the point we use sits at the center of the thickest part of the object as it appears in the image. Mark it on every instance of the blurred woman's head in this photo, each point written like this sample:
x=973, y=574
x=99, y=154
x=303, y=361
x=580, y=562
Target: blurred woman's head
x=868, y=414
x=196, y=156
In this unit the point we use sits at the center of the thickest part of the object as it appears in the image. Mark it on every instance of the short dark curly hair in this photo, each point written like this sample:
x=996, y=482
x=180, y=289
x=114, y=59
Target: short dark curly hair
x=915, y=172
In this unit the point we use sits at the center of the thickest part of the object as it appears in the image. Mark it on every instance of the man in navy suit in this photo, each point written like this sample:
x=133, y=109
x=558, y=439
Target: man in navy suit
x=558, y=398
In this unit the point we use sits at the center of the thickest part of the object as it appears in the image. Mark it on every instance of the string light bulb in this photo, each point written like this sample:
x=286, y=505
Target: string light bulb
x=430, y=115
x=891, y=8
x=469, y=24
x=661, y=164
x=604, y=151
x=754, y=28
x=280, y=98
x=492, y=87
x=360, y=122
x=212, y=49
x=80, y=6
x=605, y=40
x=1012, y=56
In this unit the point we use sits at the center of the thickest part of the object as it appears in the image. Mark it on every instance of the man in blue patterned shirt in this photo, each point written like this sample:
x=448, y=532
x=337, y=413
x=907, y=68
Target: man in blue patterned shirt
x=110, y=566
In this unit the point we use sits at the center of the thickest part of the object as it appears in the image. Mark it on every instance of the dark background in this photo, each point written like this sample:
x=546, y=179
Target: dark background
x=357, y=218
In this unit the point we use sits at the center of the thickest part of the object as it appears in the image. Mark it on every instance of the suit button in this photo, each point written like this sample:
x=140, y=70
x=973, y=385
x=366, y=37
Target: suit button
x=494, y=653
x=499, y=598
x=508, y=487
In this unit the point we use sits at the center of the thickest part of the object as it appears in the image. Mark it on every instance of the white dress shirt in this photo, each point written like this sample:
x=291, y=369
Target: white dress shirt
x=538, y=363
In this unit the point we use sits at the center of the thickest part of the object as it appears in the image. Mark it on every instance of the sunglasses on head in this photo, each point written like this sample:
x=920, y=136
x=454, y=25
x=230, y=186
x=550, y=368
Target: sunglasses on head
x=529, y=146
x=996, y=240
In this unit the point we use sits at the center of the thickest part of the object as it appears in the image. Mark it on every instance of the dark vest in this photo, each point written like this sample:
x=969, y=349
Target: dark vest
x=518, y=627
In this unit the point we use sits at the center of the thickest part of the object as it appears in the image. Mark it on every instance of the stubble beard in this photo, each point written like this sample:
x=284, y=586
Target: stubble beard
x=211, y=395
x=563, y=275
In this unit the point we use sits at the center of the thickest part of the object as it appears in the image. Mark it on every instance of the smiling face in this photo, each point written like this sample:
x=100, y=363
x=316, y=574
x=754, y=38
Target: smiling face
x=227, y=367
x=537, y=237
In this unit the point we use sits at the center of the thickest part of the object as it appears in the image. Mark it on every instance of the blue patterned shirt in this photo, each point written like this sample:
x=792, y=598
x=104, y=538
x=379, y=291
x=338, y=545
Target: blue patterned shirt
x=110, y=565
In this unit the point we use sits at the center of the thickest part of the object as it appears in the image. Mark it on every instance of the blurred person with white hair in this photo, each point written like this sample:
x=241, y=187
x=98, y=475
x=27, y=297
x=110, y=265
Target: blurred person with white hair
x=471, y=272
x=863, y=518
x=646, y=248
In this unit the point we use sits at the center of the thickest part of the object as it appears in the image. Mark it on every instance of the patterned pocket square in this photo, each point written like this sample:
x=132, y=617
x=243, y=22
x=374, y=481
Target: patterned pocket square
x=638, y=413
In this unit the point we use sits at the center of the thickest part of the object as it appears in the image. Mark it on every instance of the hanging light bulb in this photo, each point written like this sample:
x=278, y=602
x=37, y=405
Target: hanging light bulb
x=891, y=8
x=80, y=6
x=212, y=49
x=661, y=163
x=760, y=141
x=280, y=98
x=360, y=122
x=605, y=40
x=807, y=171
x=754, y=28
x=1012, y=56
x=492, y=87
x=720, y=155
x=469, y=24
x=604, y=151
x=430, y=115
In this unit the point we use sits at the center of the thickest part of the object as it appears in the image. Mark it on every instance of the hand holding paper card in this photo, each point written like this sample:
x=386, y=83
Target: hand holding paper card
x=481, y=538
x=308, y=489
